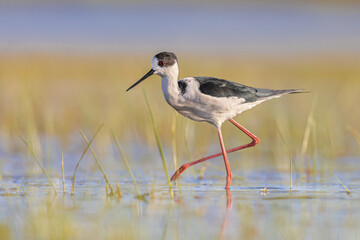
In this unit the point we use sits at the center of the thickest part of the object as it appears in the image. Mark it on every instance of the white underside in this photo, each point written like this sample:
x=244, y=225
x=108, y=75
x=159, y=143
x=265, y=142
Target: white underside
x=201, y=107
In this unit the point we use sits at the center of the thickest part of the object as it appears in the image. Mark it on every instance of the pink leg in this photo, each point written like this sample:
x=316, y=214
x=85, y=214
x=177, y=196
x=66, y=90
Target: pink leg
x=226, y=161
x=254, y=142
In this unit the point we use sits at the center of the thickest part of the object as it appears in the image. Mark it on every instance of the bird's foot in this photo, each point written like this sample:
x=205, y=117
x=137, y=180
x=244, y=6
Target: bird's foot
x=179, y=172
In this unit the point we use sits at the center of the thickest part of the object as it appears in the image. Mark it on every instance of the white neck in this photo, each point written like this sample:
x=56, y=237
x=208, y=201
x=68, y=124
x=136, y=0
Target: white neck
x=169, y=84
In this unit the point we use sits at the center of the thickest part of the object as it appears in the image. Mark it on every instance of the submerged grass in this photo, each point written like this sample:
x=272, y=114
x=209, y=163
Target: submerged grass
x=158, y=141
x=39, y=163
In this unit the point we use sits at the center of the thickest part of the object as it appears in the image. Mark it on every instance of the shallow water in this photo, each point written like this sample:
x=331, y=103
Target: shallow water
x=201, y=209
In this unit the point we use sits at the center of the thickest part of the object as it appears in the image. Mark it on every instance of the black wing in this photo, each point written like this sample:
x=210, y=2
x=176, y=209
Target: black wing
x=222, y=88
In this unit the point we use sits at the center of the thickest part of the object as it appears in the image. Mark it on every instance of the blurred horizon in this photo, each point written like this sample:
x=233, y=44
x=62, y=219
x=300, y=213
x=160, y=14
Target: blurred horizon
x=67, y=65
x=264, y=29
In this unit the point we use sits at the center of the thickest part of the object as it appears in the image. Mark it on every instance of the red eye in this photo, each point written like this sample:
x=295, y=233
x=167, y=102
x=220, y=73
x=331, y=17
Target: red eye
x=161, y=63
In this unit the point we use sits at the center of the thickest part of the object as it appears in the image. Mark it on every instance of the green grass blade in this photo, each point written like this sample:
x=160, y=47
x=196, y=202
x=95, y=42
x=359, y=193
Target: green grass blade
x=158, y=141
x=127, y=164
x=82, y=156
x=98, y=163
x=347, y=190
x=39, y=163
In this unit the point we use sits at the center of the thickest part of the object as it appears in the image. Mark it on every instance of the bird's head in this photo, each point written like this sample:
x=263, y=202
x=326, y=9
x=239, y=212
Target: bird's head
x=162, y=64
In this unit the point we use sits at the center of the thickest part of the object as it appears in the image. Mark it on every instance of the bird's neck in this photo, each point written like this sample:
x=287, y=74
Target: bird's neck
x=169, y=85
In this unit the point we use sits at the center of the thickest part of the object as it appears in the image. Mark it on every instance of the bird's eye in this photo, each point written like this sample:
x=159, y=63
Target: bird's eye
x=161, y=63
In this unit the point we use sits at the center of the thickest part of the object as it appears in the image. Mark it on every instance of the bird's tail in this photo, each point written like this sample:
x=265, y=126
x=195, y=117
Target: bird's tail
x=288, y=91
x=263, y=93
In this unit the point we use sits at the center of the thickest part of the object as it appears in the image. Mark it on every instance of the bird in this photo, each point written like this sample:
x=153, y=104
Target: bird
x=208, y=99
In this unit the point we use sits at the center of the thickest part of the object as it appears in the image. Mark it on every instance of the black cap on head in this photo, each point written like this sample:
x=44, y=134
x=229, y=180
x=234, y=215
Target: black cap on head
x=168, y=58
x=165, y=59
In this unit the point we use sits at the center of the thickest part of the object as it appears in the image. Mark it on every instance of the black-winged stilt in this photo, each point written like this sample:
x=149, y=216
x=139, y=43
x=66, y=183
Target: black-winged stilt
x=208, y=99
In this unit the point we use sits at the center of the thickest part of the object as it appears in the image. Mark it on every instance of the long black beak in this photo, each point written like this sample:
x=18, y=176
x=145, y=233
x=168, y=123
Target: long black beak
x=151, y=72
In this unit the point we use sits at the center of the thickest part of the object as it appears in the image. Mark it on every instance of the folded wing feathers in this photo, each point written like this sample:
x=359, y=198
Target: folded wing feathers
x=222, y=88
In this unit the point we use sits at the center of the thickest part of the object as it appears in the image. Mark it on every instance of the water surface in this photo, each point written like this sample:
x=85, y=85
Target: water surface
x=201, y=209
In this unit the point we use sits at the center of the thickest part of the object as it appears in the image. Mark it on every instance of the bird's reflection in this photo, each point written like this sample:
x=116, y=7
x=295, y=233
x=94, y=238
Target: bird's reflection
x=228, y=198
x=228, y=208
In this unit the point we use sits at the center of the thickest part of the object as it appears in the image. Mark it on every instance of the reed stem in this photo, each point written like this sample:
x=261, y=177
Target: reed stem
x=161, y=151
x=39, y=163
